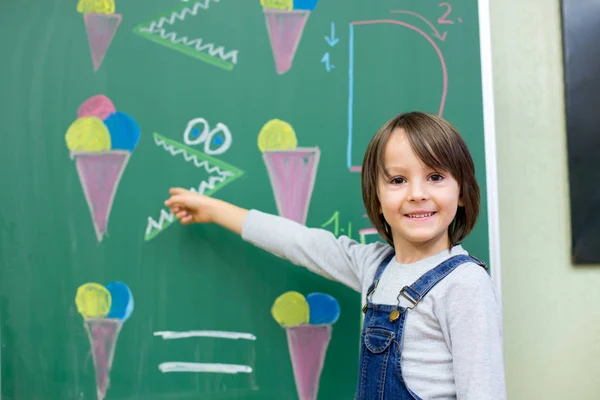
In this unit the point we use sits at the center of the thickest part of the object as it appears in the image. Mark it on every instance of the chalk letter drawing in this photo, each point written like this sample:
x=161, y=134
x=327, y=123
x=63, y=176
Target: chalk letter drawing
x=101, y=141
x=104, y=309
x=178, y=366
x=351, y=166
x=292, y=170
x=101, y=24
x=285, y=23
x=219, y=172
x=162, y=30
x=308, y=325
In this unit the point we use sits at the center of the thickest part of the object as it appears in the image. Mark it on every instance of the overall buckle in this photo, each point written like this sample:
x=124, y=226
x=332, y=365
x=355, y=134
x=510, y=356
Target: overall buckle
x=413, y=298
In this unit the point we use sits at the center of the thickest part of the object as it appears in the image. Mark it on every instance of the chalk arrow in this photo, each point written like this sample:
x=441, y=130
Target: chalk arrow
x=331, y=39
x=436, y=33
x=325, y=60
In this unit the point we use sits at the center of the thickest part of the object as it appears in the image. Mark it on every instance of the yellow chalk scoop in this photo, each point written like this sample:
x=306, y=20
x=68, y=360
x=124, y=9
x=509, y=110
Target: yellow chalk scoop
x=96, y=6
x=291, y=309
x=277, y=135
x=93, y=300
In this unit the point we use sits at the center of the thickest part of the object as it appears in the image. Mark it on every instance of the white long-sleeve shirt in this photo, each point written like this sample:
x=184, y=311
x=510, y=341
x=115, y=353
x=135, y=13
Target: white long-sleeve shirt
x=452, y=346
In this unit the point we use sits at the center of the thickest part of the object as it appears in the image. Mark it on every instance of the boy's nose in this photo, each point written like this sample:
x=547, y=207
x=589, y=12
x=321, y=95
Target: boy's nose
x=417, y=192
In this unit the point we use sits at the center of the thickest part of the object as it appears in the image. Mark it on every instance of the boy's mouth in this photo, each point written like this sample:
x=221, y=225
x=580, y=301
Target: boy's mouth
x=420, y=215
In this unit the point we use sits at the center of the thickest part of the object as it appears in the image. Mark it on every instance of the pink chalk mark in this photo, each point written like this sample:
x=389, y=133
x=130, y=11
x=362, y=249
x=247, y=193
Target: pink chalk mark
x=436, y=33
x=430, y=40
x=101, y=29
x=368, y=231
x=308, y=347
x=285, y=30
x=102, y=334
x=355, y=168
x=96, y=106
x=292, y=174
x=100, y=174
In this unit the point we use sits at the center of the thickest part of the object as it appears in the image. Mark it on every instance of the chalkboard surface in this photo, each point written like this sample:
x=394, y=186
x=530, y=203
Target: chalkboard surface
x=270, y=106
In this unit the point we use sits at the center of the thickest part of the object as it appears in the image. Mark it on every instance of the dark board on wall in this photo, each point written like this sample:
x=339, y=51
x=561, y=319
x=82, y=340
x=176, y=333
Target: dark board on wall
x=581, y=28
x=104, y=110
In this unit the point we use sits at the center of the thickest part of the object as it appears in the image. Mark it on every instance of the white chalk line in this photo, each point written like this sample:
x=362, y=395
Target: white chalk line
x=215, y=334
x=204, y=367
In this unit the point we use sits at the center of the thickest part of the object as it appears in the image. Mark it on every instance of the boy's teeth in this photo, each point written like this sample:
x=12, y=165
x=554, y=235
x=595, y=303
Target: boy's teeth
x=420, y=215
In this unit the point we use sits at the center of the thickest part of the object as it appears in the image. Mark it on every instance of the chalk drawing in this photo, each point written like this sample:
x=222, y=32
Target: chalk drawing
x=204, y=367
x=308, y=324
x=101, y=141
x=334, y=222
x=352, y=166
x=333, y=225
x=285, y=24
x=164, y=31
x=192, y=137
x=101, y=24
x=198, y=367
x=104, y=309
x=216, y=334
x=331, y=40
x=220, y=173
x=292, y=170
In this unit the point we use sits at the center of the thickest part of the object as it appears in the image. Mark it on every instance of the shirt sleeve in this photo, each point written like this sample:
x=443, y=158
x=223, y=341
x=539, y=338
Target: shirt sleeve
x=341, y=259
x=471, y=320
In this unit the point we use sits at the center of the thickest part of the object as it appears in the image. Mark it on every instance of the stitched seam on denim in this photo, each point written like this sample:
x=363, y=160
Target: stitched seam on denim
x=381, y=389
x=459, y=260
x=383, y=265
x=453, y=265
x=376, y=331
x=362, y=370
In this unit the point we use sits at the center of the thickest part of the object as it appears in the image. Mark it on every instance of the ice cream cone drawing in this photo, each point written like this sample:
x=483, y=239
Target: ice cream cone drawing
x=104, y=309
x=308, y=324
x=292, y=170
x=285, y=23
x=101, y=141
x=101, y=24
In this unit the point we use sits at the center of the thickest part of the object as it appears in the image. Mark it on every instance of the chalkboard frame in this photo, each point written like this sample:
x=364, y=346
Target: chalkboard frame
x=487, y=86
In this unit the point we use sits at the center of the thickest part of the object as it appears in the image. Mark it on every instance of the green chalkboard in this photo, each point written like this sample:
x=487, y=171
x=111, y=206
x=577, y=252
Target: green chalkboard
x=163, y=93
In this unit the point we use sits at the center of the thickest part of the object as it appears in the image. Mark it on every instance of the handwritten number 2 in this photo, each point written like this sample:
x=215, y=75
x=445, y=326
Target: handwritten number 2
x=442, y=19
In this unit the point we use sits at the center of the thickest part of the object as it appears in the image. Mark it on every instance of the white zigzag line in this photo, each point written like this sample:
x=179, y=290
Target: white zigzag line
x=157, y=27
x=192, y=10
x=166, y=216
x=174, y=151
x=197, y=44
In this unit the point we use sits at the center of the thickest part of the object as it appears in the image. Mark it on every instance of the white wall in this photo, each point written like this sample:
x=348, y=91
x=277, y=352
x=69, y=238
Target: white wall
x=551, y=308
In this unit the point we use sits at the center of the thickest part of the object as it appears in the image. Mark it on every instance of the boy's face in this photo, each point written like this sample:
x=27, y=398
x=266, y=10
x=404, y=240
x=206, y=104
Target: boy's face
x=417, y=202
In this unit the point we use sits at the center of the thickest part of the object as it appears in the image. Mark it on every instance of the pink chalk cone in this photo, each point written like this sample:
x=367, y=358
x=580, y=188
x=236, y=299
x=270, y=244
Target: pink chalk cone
x=308, y=347
x=292, y=174
x=100, y=174
x=285, y=30
x=101, y=29
x=103, y=334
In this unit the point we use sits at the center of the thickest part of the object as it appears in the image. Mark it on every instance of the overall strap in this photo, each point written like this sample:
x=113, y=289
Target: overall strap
x=384, y=263
x=415, y=292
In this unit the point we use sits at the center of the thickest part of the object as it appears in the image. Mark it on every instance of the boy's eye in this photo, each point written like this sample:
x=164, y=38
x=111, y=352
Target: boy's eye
x=397, y=180
x=436, y=177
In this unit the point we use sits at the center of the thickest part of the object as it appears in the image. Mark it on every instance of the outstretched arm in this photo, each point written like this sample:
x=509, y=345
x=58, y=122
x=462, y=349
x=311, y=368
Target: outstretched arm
x=341, y=259
x=190, y=207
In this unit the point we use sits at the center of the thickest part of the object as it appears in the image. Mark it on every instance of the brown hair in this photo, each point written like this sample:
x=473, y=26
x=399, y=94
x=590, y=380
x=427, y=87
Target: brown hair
x=436, y=143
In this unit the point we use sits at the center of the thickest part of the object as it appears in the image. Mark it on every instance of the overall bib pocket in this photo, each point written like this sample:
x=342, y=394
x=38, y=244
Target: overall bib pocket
x=377, y=340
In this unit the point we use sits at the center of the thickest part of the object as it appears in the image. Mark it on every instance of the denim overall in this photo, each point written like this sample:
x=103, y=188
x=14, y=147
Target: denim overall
x=380, y=372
